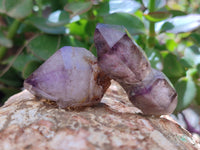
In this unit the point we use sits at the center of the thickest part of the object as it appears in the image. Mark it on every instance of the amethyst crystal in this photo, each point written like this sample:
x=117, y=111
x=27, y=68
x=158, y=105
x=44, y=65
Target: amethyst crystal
x=71, y=77
x=124, y=61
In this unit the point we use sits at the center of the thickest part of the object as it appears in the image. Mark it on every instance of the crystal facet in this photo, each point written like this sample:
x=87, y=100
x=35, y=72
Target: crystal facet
x=71, y=77
x=124, y=61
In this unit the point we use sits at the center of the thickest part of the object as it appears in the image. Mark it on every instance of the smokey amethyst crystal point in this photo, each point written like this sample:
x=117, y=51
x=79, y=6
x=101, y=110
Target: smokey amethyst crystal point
x=124, y=61
x=71, y=78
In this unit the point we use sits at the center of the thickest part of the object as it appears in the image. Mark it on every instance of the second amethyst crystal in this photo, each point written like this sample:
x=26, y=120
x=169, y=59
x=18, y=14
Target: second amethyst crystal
x=124, y=61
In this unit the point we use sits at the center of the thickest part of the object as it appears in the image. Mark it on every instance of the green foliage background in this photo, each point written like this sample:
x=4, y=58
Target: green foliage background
x=168, y=31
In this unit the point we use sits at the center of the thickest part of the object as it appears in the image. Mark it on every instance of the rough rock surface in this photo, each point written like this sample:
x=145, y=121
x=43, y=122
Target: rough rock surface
x=27, y=123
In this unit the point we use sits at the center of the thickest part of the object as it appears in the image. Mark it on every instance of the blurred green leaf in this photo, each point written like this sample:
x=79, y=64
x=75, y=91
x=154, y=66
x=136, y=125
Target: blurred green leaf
x=186, y=90
x=90, y=28
x=77, y=8
x=29, y=68
x=198, y=69
x=140, y=40
x=71, y=41
x=78, y=27
x=196, y=38
x=197, y=98
x=5, y=41
x=171, y=45
x=193, y=54
x=55, y=4
x=21, y=61
x=12, y=78
x=102, y=9
x=133, y=24
x=172, y=67
x=48, y=27
x=16, y=8
x=139, y=14
x=157, y=16
x=44, y=46
x=166, y=26
x=58, y=18
x=186, y=63
x=177, y=13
